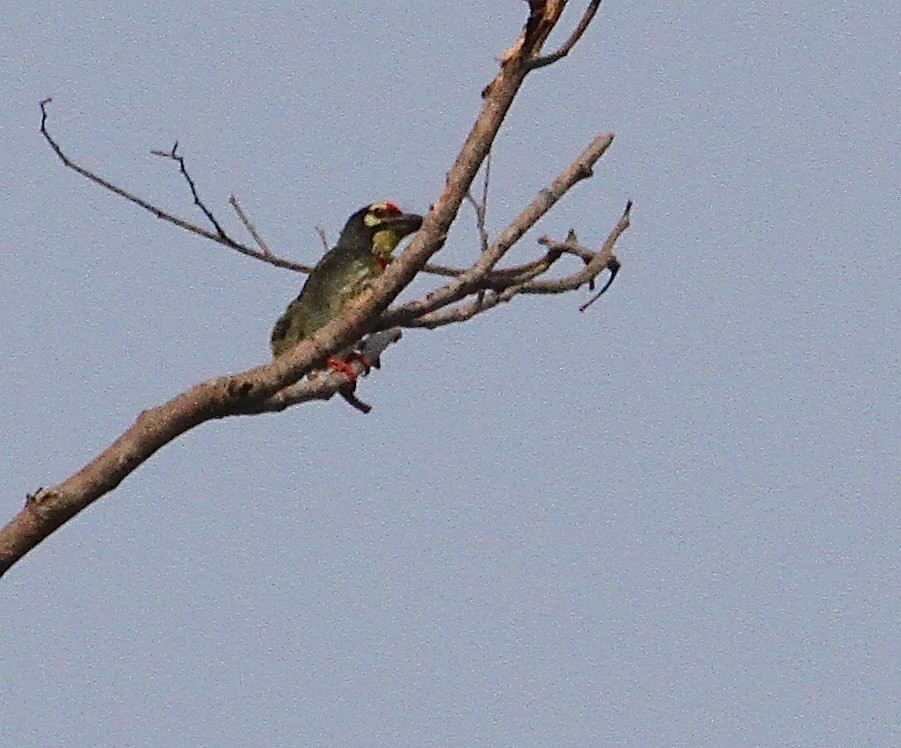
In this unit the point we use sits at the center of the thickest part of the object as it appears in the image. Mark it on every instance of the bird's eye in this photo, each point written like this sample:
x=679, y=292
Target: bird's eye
x=384, y=210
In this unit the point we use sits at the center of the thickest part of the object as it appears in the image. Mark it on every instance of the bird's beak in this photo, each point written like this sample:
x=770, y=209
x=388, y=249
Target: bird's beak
x=402, y=225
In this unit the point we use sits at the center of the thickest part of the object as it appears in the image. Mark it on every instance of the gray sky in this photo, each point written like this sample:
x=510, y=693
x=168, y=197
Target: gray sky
x=671, y=520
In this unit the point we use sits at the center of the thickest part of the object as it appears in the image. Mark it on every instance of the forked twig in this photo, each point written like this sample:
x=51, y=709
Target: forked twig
x=540, y=62
x=480, y=207
x=159, y=212
x=174, y=155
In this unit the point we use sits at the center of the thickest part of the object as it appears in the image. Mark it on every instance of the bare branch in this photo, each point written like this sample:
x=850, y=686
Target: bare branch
x=158, y=212
x=465, y=283
x=174, y=156
x=480, y=207
x=451, y=272
x=264, y=254
x=109, y=185
x=479, y=210
x=323, y=237
x=483, y=301
x=253, y=390
x=485, y=181
x=251, y=229
x=543, y=16
x=527, y=283
x=443, y=270
x=500, y=280
x=613, y=266
x=540, y=62
x=324, y=384
x=601, y=261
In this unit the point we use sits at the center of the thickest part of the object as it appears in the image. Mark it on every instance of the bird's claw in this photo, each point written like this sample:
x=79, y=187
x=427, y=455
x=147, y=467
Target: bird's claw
x=346, y=366
x=340, y=366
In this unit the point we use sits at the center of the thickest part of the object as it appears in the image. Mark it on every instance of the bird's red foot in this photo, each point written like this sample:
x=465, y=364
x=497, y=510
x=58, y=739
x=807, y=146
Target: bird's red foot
x=343, y=367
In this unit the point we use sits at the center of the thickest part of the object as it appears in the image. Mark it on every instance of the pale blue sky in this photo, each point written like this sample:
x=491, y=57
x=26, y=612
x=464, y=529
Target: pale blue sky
x=669, y=521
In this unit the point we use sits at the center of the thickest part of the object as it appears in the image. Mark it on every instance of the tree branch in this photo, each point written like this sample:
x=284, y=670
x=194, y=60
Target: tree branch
x=468, y=281
x=158, y=212
x=540, y=62
x=526, y=283
x=251, y=229
x=180, y=160
x=480, y=207
x=264, y=254
x=327, y=383
x=277, y=384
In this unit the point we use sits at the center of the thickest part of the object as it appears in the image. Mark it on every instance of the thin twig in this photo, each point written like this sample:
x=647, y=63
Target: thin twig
x=452, y=272
x=540, y=62
x=174, y=155
x=159, y=212
x=480, y=221
x=464, y=284
x=528, y=283
x=251, y=229
x=485, y=181
x=602, y=260
x=270, y=258
x=480, y=207
x=499, y=280
x=110, y=186
x=323, y=237
x=613, y=265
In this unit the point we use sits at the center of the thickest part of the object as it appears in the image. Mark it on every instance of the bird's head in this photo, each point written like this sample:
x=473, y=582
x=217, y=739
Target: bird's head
x=379, y=227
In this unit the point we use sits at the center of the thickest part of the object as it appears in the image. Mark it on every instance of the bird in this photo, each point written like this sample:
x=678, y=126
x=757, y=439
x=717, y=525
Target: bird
x=344, y=273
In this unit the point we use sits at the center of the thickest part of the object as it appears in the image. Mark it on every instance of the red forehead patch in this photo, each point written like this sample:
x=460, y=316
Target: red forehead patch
x=392, y=207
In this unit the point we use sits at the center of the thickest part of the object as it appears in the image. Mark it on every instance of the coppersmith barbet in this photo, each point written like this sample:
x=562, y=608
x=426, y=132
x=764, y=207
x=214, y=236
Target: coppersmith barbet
x=345, y=272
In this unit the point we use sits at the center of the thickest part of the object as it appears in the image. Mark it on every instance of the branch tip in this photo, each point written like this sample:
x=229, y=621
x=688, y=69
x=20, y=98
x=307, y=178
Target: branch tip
x=587, y=17
x=613, y=265
x=353, y=401
x=251, y=229
x=323, y=237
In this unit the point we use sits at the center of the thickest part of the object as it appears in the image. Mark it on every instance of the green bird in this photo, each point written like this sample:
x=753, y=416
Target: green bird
x=345, y=272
